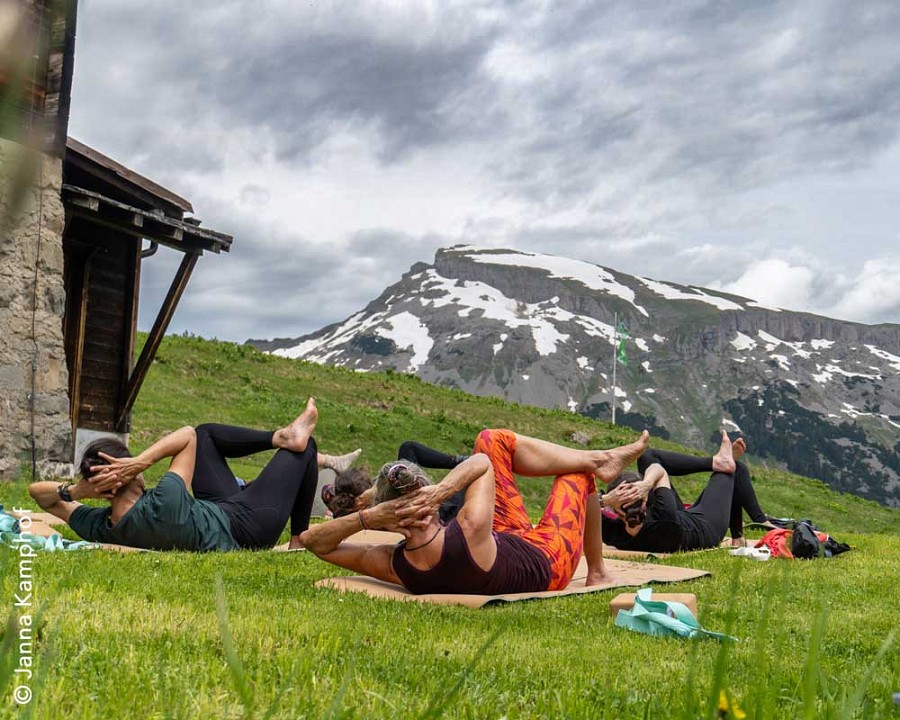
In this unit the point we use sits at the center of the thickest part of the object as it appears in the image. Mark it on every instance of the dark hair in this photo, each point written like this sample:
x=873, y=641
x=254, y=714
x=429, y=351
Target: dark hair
x=348, y=486
x=629, y=476
x=634, y=513
x=107, y=446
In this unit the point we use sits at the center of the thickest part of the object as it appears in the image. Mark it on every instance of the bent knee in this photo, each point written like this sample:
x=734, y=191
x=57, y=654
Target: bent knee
x=501, y=438
x=407, y=451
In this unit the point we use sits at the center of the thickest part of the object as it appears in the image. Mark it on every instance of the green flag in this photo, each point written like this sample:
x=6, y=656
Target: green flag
x=621, y=355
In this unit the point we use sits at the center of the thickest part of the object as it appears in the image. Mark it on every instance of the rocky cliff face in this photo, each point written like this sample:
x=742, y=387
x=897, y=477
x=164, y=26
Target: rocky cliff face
x=820, y=396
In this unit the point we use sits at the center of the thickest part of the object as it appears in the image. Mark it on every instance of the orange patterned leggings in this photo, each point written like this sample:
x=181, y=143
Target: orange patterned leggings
x=560, y=532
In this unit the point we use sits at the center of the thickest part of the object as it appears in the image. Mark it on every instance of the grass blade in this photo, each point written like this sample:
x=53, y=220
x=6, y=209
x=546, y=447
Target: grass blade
x=859, y=693
x=440, y=703
x=235, y=666
x=811, y=668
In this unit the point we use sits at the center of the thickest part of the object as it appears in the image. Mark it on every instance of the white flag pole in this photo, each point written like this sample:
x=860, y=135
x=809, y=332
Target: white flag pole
x=615, y=362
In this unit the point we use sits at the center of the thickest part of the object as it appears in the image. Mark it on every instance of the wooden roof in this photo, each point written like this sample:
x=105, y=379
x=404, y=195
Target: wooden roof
x=185, y=235
x=104, y=191
x=139, y=190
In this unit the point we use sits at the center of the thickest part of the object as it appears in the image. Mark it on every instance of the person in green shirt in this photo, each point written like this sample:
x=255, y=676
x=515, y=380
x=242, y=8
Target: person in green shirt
x=219, y=515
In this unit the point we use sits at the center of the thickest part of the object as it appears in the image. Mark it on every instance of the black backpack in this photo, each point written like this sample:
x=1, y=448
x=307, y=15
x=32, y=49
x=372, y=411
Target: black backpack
x=805, y=543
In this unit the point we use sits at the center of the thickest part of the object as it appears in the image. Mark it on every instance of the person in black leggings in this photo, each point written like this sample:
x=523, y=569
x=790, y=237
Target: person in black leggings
x=660, y=522
x=353, y=488
x=258, y=512
x=219, y=515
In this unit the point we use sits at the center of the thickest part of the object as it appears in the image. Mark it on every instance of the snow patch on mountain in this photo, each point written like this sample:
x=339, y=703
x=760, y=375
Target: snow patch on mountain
x=591, y=276
x=884, y=355
x=743, y=342
x=408, y=332
x=672, y=292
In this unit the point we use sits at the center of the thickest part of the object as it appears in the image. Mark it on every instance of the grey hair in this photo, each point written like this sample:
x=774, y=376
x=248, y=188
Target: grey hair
x=398, y=478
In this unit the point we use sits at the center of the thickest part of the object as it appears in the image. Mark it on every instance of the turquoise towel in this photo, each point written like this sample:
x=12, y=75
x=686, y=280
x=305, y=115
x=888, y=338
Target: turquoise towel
x=11, y=536
x=653, y=617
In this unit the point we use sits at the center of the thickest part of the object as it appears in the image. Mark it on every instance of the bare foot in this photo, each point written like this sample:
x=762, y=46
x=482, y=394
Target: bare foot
x=738, y=448
x=723, y=461
x=599, y=578
x=296, y=435
x=295, y=543
x=338, y=463
x=609, y=464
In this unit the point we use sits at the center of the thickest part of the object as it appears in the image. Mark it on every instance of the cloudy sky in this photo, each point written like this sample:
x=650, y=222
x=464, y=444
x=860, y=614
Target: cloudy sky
x=748, y=146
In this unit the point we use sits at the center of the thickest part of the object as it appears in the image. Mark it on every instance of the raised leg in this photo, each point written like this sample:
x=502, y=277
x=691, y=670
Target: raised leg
x=539, y=458
x=560, y=534
x=500, y=446
x=427, y=457
x=744, y=498
x=284, y=490
x=213, y=479
x=338, y=463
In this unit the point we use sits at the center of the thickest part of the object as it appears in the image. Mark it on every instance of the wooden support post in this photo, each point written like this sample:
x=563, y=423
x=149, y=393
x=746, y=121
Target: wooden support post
x=78, y=345
x=136, y=379
x=123, y=424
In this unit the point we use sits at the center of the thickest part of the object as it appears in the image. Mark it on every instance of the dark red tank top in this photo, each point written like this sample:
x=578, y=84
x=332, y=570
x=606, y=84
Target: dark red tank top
x=519, y=567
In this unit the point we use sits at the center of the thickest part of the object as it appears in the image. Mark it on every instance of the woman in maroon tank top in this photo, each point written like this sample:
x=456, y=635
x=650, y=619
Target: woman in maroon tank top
x=491, y=546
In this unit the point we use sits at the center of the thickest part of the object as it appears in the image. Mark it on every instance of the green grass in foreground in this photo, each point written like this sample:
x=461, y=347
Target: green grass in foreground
x=140, y=636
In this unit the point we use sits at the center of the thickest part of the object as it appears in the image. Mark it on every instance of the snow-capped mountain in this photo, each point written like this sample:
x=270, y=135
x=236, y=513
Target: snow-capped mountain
x=821, y=396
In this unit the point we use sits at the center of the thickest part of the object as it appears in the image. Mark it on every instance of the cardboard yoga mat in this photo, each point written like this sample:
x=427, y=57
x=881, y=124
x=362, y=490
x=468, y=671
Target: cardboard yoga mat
x=630, y=574
x=378, y=537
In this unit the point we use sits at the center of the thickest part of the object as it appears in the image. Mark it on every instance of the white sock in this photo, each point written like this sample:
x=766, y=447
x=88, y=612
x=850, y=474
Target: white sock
x=339, y=463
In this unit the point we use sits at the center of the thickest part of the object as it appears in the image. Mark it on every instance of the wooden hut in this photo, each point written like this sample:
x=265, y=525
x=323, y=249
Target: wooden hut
x=111, y=212
x=75, y=227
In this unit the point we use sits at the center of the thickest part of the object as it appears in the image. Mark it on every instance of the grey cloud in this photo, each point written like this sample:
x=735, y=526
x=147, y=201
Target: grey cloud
x=728, y=95
x=651, y=123
x=278, y=284
x=299, y=83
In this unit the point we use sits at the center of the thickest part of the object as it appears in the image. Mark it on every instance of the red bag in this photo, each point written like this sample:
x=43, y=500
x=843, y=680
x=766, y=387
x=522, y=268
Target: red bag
x=778, y=542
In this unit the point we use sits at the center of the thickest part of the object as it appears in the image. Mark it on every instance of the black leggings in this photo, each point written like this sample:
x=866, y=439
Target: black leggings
x=427, y=457
x=720, y=504
x=258, y=513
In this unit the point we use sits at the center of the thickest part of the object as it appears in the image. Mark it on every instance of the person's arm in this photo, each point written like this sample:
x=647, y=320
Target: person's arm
x=655, y=477
x=326, y=541
x=425, y=502
x=46, y=495
x=180, y=445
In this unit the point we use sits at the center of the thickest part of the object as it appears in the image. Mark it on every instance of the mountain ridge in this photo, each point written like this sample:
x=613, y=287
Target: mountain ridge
x=821, y=395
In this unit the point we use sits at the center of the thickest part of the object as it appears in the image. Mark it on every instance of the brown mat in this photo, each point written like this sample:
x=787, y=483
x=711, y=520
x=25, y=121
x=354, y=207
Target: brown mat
x=628, y=574
x=378, y=537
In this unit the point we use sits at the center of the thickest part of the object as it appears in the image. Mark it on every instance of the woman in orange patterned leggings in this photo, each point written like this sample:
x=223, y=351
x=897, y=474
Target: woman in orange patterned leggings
x=490, y=548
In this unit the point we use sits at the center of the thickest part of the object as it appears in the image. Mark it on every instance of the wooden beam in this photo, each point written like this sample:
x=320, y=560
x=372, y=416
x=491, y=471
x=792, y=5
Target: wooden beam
x=136, y=379
x=183, y=235
x=75, y=399
x=92, y=204
x=131, y=327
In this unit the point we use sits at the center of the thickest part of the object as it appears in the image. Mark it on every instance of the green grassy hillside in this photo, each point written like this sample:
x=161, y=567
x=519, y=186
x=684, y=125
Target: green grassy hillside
x=140, y=636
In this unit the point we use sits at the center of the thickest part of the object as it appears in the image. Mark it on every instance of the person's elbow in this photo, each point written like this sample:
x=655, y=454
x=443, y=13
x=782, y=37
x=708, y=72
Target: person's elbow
x=309, y=540
x=34, y=490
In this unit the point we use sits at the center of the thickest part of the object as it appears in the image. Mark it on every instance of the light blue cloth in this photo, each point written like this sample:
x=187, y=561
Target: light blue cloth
x=654, y=617
x=11, y=536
